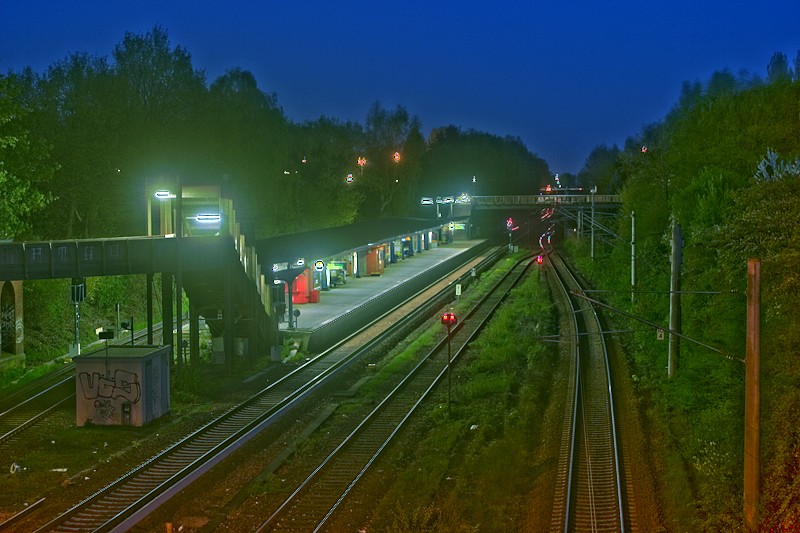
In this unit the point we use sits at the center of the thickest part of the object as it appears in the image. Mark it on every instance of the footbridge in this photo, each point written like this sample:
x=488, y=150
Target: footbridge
x=220, y=274
x=520, y=201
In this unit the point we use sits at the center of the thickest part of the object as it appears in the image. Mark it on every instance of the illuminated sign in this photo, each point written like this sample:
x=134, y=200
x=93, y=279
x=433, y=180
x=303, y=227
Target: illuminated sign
x=319, y=266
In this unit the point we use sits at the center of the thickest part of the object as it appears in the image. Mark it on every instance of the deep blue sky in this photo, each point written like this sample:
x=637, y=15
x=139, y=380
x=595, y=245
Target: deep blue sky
x=563, y=75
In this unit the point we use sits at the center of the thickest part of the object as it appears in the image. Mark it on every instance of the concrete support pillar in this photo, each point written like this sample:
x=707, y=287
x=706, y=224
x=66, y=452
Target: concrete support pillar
x=229, y=335
x=167, y=319
x=194, y=334
x=149, y=307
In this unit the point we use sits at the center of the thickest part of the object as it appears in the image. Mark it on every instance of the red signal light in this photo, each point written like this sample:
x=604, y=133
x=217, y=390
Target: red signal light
x=449, y=319
x=539, y=259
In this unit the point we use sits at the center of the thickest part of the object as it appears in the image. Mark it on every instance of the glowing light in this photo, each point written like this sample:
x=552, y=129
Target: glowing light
x=449, y=319
x=396, y=157
x=164, y=195
x=207, y=218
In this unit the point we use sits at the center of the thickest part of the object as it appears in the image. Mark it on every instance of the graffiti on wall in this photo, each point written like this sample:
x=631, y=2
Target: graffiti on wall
x=123, y=385
x=20, y=332
x=105, y=410
x=8, y=326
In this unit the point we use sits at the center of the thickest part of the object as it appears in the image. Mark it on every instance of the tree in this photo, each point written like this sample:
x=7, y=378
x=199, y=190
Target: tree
x=501, y=165
x=778, y=68
x=245, y=138
x=24, y=164
x=161, y=120
x=318, y=190
x=601, y=169
x=76, y=113
x=384, y=138
x=797, y=66
x=722, y=82
x=158, y=79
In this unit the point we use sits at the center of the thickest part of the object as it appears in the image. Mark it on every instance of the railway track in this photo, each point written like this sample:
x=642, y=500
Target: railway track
x=589, y=492
x=317, y=497
x=123, y=503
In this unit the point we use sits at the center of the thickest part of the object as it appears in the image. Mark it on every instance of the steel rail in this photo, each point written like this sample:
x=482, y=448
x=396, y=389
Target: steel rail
x=597, y=504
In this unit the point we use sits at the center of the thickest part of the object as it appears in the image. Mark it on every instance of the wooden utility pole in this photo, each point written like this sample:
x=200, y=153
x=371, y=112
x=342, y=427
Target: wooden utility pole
x=752, y=399
x=675, y=300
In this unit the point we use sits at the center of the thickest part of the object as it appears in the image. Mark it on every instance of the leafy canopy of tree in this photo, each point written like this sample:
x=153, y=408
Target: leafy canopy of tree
x=500, y=165
x=24, y=163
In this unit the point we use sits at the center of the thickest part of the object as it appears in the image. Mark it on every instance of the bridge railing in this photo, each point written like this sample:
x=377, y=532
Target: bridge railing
x=247, y=254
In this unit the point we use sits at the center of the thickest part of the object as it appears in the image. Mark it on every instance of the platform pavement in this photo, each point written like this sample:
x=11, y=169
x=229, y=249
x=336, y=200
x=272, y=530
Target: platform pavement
x=357, y=291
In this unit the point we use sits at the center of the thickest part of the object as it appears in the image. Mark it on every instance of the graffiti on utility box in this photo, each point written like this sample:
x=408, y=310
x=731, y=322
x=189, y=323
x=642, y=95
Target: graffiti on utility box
x=124, y=385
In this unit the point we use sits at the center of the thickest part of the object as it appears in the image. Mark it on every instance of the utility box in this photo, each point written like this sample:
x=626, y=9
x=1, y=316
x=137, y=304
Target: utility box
x=122, y=385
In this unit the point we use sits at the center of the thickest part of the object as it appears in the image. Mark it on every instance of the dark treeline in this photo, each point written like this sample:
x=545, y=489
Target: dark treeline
x=725, y=165
x=81, y=141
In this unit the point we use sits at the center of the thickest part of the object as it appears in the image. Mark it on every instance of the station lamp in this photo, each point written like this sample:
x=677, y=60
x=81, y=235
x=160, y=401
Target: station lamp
x=207, y=218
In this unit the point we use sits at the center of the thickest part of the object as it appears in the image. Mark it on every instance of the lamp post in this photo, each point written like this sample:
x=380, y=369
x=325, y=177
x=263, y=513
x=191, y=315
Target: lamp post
x=449, y=319
x=77, y=295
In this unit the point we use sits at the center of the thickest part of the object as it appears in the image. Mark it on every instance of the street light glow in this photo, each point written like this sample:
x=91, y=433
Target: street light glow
x=164, y=194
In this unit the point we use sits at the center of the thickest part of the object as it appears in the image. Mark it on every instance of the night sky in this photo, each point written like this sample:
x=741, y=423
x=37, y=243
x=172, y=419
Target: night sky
x=564, y=76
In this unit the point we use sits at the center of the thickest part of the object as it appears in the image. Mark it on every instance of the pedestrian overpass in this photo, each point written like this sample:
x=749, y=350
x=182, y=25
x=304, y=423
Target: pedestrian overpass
x=521, y=201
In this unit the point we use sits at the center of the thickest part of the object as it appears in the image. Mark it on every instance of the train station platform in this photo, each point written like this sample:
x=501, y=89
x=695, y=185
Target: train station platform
x=357, y=291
